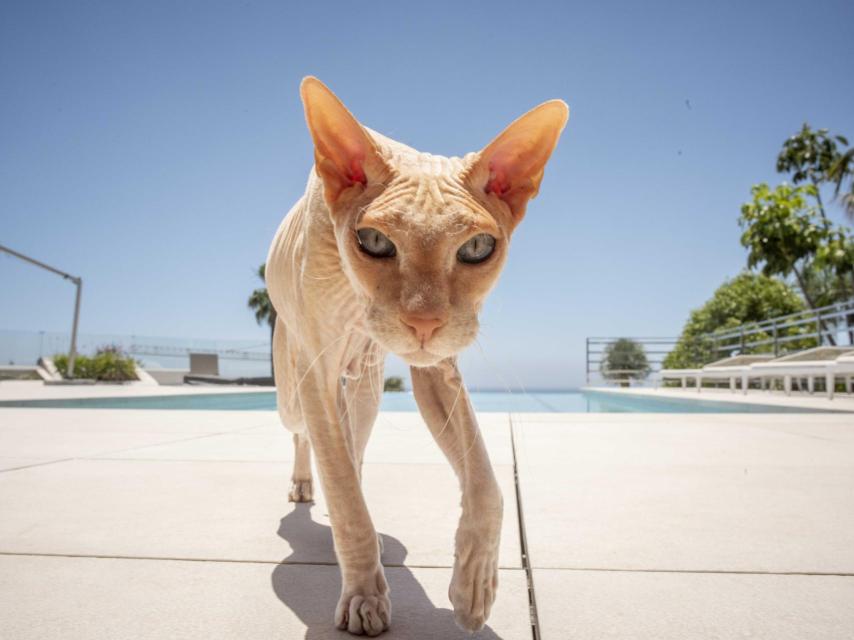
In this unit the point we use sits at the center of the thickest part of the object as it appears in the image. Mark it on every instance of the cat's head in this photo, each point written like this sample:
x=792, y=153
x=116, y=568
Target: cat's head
x=423, y=238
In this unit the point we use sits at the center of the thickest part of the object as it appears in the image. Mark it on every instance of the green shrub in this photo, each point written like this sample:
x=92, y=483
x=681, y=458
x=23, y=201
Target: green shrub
x=108, y=364
x=749, y=297
x=393, y=383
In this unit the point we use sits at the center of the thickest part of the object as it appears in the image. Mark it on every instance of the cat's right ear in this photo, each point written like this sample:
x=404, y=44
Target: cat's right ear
x=345, y=156
x=511, y=167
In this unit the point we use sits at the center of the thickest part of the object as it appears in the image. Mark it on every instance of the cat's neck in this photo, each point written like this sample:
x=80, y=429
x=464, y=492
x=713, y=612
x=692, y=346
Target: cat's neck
x=306, y=254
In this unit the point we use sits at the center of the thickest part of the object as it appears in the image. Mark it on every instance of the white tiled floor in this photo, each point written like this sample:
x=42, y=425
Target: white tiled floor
x=142, y=524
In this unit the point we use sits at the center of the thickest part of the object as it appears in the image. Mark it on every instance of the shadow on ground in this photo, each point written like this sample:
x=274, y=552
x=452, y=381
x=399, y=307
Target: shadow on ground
x=311, y=590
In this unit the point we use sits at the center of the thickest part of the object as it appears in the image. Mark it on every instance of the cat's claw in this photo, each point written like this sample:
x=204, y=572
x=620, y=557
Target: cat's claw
x=473, y=586
x=301, y=491
x=365, y=610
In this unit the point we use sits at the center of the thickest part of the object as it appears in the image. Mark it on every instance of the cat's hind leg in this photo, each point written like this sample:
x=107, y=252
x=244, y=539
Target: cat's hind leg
x=302, y=488
x=290, y=413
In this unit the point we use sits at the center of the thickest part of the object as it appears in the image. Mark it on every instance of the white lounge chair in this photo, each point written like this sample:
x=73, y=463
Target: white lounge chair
x=679, y=374
x=732, y=369
x=843, y=367
x=808, y=364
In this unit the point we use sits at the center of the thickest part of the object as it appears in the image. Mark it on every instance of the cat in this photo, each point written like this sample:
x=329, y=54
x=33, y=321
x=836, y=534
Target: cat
x=393, y=250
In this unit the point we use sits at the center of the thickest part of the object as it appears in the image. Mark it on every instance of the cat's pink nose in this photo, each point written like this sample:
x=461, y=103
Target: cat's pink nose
x=424, y=326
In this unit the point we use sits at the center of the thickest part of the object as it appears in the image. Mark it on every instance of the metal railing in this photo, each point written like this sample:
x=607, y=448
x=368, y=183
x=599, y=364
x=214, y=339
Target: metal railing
x=823, y=326
x=656, y=349
x=829, y=325
x=248, y=358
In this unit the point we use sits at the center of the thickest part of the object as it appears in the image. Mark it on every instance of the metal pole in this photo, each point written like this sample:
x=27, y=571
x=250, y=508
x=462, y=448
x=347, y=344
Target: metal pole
x=77, y=281
x=776, y=344
x=587, y=360
x=72, y=353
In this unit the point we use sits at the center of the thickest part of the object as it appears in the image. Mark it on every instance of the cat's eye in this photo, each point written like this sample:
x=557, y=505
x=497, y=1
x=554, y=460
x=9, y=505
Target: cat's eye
x=375, y=244
x=476, y=249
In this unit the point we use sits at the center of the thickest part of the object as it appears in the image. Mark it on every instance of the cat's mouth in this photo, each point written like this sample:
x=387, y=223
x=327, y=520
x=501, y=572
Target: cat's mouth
x=421, y=358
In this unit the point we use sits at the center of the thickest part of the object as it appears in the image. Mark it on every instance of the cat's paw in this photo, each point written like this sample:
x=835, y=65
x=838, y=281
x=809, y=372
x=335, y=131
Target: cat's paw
x=365, y=608
x=301, y=491
x=474, y=584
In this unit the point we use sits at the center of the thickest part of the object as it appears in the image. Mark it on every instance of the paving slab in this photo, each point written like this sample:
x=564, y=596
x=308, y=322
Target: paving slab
x=92, y=598
x=63, y=433
x=596, y=605
x=683, y=492
x=226, y=511
x=400, y=438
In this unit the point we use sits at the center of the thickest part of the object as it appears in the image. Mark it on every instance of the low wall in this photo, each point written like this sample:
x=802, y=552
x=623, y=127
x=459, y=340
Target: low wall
x=168, y=376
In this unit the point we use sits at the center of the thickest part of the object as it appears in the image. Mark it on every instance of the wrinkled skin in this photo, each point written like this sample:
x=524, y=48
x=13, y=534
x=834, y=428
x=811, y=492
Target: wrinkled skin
x=340, y=310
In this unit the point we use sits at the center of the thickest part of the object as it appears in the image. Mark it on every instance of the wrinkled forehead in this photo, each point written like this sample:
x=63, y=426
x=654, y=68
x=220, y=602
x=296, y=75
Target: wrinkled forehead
x=430, y=198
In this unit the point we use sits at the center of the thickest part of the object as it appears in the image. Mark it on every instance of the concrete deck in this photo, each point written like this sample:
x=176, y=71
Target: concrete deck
x=37, y=390
x=144, y=524
x=798, y=399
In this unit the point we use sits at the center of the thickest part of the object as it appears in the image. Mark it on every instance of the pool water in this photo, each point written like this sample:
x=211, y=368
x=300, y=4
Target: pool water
x=484, y=401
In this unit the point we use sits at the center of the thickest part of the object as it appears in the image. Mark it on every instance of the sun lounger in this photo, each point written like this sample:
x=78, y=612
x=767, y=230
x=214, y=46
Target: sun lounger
x=808, y=364
x=732, y=369
x=679, y=374
x=842, y=367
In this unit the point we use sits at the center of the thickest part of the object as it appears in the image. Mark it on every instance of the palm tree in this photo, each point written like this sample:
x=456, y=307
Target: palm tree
x=260, y=303
x=842, y=170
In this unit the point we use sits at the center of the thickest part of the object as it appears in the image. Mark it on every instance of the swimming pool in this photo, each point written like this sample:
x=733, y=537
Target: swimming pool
x=484, y=401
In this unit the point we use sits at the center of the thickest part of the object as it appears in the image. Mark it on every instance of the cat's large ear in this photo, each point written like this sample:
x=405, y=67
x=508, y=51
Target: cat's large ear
x=344, y=154
x=511, y=166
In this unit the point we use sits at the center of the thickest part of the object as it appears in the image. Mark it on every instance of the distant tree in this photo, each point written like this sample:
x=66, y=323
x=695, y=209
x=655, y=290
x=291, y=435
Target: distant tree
x=782, y=232
x=749, y=297
x=260, y=303
x=811, y=156
x=785, y=235
x=624, y=360
x=393, y=383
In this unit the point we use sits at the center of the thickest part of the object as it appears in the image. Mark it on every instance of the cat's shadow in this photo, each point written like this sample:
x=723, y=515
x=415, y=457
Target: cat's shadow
x=309, y=585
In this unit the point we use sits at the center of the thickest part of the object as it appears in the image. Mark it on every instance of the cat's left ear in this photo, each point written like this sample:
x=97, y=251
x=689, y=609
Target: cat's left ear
x=511, y=166
x=345, y=155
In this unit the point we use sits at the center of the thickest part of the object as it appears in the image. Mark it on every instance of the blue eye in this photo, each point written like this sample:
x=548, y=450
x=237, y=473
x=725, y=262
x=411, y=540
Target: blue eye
x=476, y=249
x=375, y=244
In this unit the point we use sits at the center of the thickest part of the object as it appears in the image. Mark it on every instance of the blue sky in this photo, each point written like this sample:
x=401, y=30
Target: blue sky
x=154, y=148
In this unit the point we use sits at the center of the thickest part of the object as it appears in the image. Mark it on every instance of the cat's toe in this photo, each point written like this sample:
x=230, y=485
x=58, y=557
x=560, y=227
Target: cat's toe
x=473, y=588
x=366, y=615
x=301, y=491
x=364, y=608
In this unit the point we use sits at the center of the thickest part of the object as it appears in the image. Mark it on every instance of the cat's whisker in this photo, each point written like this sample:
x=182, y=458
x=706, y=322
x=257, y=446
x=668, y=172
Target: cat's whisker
x=314, y=362
x=492, y=366
x=478, y=436
x=451, y=411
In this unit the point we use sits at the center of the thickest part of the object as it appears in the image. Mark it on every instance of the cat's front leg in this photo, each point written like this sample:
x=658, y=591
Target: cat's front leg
x=444, y=404
x=364, y=606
